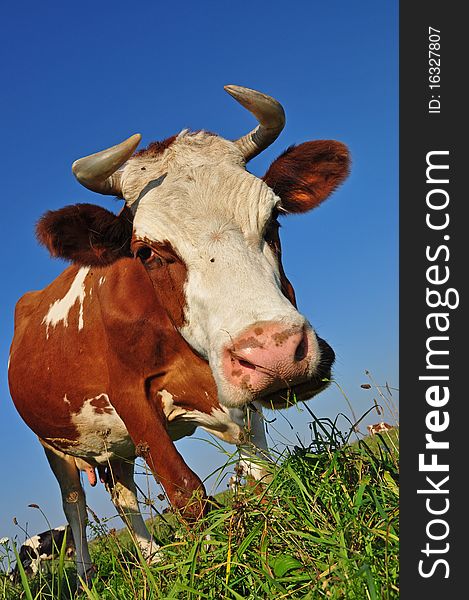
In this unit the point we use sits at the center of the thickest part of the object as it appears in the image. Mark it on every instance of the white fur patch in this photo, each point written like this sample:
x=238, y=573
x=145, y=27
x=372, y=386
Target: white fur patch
x=33, y=542
x=171, y=411
x=59, y=310
x=222, y=422
x=102, y=433
x=252, y=467
x=227, y=424
x=254, y=452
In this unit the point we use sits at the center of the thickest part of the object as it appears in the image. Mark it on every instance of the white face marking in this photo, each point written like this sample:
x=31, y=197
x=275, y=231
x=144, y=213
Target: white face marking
x=33, y=542
x=213, y=213
x=101, y=280
x=102, y=433
x=59, y=310
x=66, y=400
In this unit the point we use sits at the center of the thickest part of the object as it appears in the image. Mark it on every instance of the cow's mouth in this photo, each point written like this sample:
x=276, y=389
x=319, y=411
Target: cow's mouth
x=283, y=395
x=290, y=395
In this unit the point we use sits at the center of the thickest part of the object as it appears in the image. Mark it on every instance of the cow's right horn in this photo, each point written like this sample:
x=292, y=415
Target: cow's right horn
x=97, y=172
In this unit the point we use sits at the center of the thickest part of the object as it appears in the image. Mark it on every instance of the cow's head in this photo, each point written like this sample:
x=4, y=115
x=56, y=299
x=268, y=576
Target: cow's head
x=207, y=232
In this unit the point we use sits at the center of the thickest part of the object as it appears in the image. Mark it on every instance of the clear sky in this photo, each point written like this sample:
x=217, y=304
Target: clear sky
x=79, y=77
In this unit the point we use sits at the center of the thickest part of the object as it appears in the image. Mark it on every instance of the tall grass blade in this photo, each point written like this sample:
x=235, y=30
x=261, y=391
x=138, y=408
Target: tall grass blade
x=23, y=576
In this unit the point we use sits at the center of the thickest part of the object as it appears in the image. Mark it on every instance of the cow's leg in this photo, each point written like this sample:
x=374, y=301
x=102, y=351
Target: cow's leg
x=254, y=452
x=121, y=486
x=147, y=428
x=73, y=500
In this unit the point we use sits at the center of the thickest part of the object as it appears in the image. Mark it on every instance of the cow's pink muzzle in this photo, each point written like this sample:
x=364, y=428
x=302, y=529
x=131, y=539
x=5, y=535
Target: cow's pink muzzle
x=270, y=355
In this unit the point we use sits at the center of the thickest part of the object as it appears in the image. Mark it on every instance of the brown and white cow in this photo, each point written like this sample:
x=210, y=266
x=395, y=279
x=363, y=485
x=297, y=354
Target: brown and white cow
x=174, y=314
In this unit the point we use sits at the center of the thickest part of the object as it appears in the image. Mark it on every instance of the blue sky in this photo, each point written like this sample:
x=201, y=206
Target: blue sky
x=81, y=77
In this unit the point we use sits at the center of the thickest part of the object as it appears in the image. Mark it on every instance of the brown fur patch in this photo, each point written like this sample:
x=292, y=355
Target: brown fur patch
x=86, y=234
x=283, y=336
x=168, y=274
x=305, y=175
x=133, y=351
x=155, y=148
x=272, y=237
x=250, y=342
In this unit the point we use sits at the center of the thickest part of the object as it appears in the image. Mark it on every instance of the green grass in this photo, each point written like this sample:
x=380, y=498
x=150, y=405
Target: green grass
x=325, y=527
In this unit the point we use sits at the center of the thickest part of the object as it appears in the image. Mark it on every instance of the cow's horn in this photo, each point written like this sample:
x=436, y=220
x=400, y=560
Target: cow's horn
x=97, y=172
x=267, y=111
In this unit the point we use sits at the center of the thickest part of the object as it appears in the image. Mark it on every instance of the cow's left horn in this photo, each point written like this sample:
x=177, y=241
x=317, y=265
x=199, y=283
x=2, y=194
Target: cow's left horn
x=97, y=172
x=267, y=111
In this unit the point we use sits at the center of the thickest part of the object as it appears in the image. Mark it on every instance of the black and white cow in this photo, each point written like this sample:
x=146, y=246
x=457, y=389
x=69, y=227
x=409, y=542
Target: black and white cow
x=43, y=546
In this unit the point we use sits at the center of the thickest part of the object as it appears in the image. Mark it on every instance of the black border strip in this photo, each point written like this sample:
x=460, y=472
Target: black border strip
x=433, y=258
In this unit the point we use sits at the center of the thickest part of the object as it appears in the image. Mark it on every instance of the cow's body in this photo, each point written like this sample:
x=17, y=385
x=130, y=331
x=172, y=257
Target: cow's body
x=43, y=547
x=95, y=352
x=127, y=384
x=175, y=314
x=144, y=360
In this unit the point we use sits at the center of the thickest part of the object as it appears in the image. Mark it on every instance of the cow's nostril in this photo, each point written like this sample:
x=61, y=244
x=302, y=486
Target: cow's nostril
x=246, y=364
x=302, y=349
x=242, y=362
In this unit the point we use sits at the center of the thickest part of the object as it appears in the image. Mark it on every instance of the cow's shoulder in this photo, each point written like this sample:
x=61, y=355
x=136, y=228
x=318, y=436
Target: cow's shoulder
x=124, y=290
x=26, y=305
x=33, y=306
x=121, y=291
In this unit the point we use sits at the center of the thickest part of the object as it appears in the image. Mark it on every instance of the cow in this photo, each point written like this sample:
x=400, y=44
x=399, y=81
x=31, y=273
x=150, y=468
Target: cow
x=175, y=313
x=43, y=546
x=378, y=428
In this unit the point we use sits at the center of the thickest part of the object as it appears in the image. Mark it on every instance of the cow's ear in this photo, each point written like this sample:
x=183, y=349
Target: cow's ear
x=305, y=175
x=86, y=234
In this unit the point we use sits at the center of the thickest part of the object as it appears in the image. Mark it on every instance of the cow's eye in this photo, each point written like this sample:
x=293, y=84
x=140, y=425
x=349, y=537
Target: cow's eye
x=271, y=235
x=144, y=253
x=149, y=257
x=153, y=256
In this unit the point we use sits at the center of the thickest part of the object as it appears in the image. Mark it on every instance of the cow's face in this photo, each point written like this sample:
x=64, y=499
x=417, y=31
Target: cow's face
x=207, y=231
